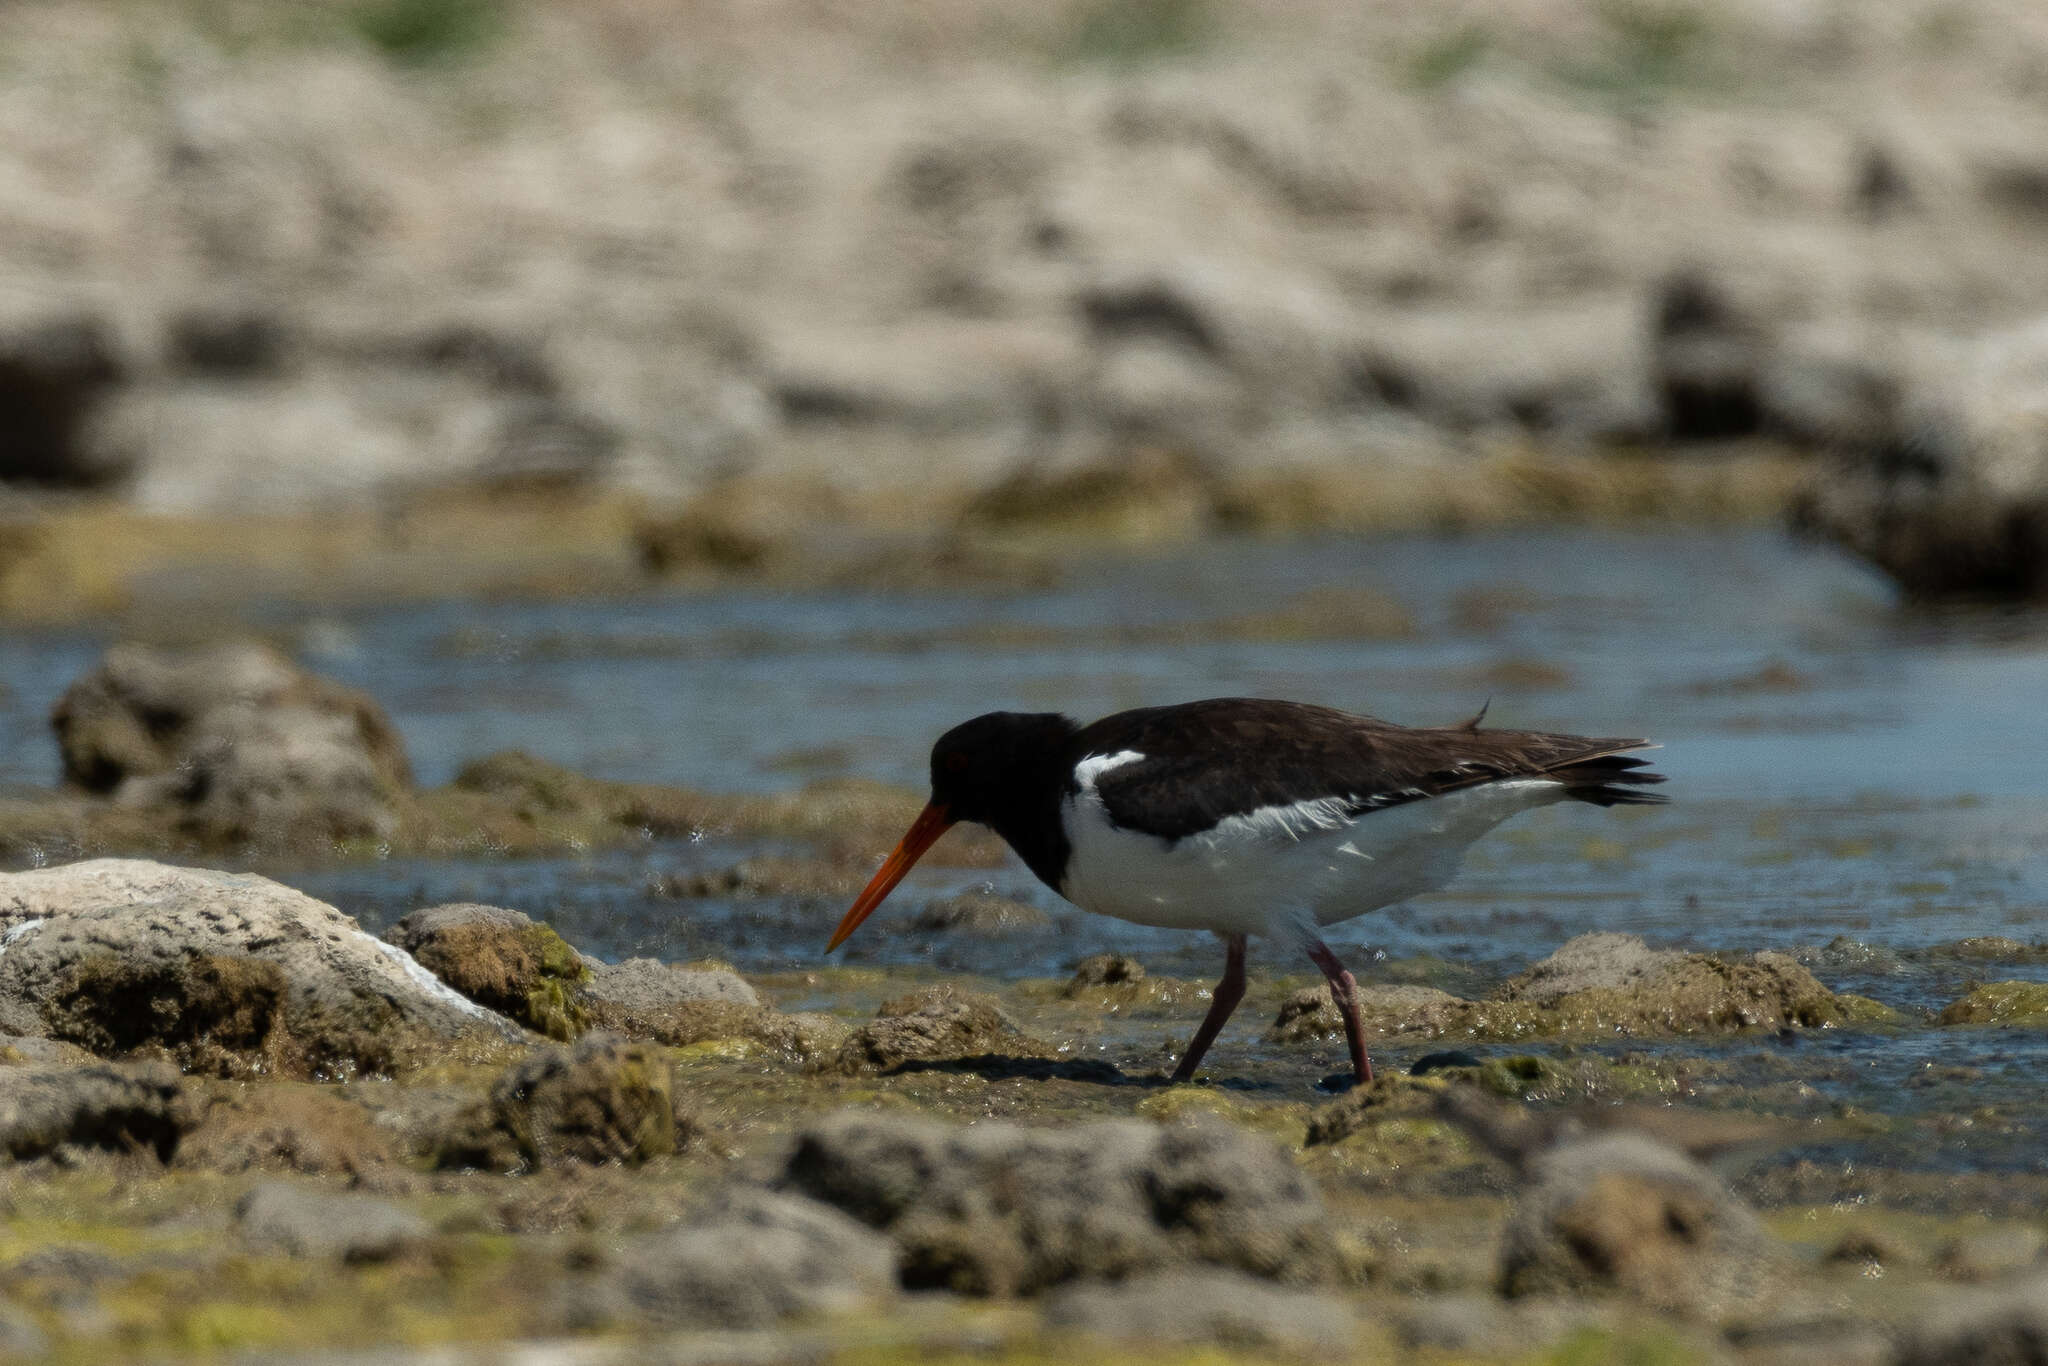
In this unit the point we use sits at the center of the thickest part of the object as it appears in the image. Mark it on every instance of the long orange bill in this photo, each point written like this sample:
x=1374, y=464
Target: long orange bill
x=931, y=823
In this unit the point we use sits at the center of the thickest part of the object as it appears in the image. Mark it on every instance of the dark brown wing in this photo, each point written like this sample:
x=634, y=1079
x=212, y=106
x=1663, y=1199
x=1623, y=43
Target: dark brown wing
x=1229, y=756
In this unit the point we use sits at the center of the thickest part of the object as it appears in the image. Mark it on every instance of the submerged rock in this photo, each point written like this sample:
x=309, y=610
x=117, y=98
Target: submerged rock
x=999, y=1209
x=1621, y=1212
x=502, y=960
x=602, y=1100
x=935, y=1025
x=223, y=972
x=749, y=1259
x=237, y=741
x=2024, y=1004
x=980, y=913
x=126, y=1109
x=1222, y=1307
x=279, y=1216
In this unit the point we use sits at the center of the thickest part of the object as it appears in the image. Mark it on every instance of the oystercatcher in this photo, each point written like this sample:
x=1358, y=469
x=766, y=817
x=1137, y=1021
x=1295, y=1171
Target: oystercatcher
x=1243, y=816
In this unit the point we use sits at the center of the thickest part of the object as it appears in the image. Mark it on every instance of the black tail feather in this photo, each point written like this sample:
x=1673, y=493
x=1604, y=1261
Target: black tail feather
x=1609, y=780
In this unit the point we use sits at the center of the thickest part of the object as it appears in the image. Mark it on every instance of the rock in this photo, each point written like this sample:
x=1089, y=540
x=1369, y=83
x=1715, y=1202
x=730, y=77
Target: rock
x=282, y=1127
x=225, y=972
x=980, y=913
x=750, y=1259
x=1991, y=1253
x=1485, y=1326
x=2022, y=1004
x=20, y=1048
x=1950, y=497
x=1105, y=970
x=1604, y=961
x=602, y=1100
x=1309, y=1013
x=21, y=1337
x=999, y=1209
x=2005, y=1325
x=936, y=1025
x=127, y=1109
x=1142, y=494
x=501, y=960
x=53, y=376
x=1707, y=362
x=1219, y=1307
x=229, y=340
x=645, y=999
x=1620, y=1212
x=236, y=740
x=768, y=875
x=282, y=1217
x=1617, y=983
x=1864, y=1247
x=648, y=984
x=1391, y=1095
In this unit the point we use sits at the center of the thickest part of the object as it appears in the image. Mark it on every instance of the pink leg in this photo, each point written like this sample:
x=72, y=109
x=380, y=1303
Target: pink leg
x=1228, y=993
x=1344, y=991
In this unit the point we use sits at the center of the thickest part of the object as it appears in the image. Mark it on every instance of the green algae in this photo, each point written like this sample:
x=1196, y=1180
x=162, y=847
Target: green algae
x=2017, y=1004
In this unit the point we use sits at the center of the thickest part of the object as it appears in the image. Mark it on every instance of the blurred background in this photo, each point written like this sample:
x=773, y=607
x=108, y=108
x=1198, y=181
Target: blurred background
x=735, y=395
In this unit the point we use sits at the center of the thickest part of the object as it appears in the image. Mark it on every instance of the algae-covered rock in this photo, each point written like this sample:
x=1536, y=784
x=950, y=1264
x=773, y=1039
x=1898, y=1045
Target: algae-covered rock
x=749, y=1259
x=1221, y=1307
x=642, y=998
x=240, y=743
x=999, y=1209
x=224, y=972
x=279, y=1126
x=502, y=960
x=1619, y=1212
x=1607, y=982
x=1391, y=1094
x=979, y=913
x=1105, y=970
x=1309, y=1013
x=44, y=1109
x=282, y=1217
x=2023, y=1004
x=601, y=1100
x=935, y=1025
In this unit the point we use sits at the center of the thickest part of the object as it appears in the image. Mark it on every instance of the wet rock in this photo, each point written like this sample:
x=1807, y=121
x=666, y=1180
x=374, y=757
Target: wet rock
x=1105, y=970
x=1613, y=981
x=601, y=1101
x=750, y=1259
x=1991, y=1253
x=53, y=376
x=649, y=984
x=1309, y=1013
x=1219, y=1307
x=282, y=1217
x=235, y=740
x=768, y=875
x=980, y=913
x=1864, y=1247
x=998, y=1209
x=1988, y=1327
x=1619, y=1212
x=1589, y=962
x=502, y=960
x=44, y=1110
x=1391, y=1094
x=937, y=1025
x=2021, y=1004
x=282, y=1127
x=224, y=972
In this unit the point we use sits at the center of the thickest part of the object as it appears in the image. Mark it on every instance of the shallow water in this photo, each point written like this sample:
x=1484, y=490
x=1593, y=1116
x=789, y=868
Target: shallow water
x=1841, y=767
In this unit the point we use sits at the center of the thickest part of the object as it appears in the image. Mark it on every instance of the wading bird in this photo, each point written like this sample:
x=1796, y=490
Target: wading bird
x=1243, y=816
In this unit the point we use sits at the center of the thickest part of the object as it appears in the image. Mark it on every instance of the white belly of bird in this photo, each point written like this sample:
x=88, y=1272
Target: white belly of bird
x=1262, y=872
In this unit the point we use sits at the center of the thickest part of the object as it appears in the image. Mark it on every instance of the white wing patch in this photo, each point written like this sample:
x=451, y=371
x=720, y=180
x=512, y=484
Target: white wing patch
x=1095, y=765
